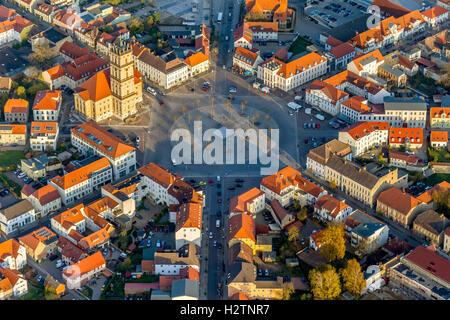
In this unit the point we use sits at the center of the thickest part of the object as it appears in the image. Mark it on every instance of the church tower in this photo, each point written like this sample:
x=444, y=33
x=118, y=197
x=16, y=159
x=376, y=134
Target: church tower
x=123, y=88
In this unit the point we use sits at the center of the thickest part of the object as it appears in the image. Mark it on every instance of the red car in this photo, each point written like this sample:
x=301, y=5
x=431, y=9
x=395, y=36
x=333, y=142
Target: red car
x=205, y=89
x=161, y=103
x=211, y=181
x=317, y=125
x=219, y=200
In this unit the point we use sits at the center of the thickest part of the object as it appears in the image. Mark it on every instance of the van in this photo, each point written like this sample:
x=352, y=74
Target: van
x=218, y=223
x=151, y=90
x=294, y=106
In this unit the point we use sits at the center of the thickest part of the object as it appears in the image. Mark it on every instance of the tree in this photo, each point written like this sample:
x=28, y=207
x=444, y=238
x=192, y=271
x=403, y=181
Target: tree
x=293, y=234
x=136, y=26
x=441, y=197
x=50, y=293
x=353, y=278
x=106, y=28
x=42, y=53
x=380, y=159
x=215, y=51
x=325, y=283
x=302, y=214
x=332, y=242
x=156, y=17
x=333, y=184
x=21, y=92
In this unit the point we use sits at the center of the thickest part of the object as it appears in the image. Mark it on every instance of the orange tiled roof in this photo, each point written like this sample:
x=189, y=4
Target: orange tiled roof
x=95, y=88
x=239, y=203
x=105, y=141
x=21, y=23
x=243, y=31
x=157, y=174
x=6, y=13
x=196, y=59
x=398, y=200
x=46, y=194
x=70, y=217
x=15, y=128
x=189, y=215
x=259, y=26
x=241, y=226
x=331, y=92
x=9, y=248
x=354, y=79
x=359, y=130
x=55, y=72
x=16, y=106
x=86, y=265
x=282, y=179
x=356, y=103
x=439, y=136
x=245, y=55
x=330, y=204
x=342, y=50
x=9, y=279
x=46, y=127
x=426, y=197
x=440, y=112
x=301, y=64
x=375, y=54
x=6, y=25
x=47, y=100
x=94, y=239
x=402, y=135
x=32, y=239
x=434, y=12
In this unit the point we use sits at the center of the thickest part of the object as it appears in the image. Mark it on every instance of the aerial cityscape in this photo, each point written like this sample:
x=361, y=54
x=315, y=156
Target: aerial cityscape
x=224, y=150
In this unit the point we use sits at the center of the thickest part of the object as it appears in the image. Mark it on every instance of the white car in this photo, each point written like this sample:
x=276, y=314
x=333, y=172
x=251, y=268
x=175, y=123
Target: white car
x=210, y=235
x=20, y=176
x=151, y=90
x=59, y=263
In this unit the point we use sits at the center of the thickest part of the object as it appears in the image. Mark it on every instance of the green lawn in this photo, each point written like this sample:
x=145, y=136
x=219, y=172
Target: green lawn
x=299, y=45
x=441, y=154
x=145, y=279
x=34, y=293
x=437, y=178
x=10, y=157
x=12, y=185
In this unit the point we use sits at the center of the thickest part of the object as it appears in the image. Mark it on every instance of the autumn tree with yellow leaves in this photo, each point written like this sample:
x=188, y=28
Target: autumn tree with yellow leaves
x=353, y=277
x=332, y=242
x=325, y=283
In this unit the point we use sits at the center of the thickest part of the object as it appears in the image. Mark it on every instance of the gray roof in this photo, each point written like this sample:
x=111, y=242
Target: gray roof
x=16, y=209
x=397, y=72
x=367, y=224
x=160, y=295
x=348, y=30
x=353, y=172
x=445, y=102
x=186, y=287
x=432, y=221
x=40, y=162
x=414, y=104
x=242, y=272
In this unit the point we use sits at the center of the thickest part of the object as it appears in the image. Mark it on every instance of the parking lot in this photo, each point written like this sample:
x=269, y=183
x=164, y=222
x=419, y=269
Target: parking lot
x=334, y=14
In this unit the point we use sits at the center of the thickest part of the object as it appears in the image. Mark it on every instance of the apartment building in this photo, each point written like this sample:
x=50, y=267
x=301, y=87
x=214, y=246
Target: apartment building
x=81, y=182
x=246, y=60
x=84, y=270
x=341, y=55
x=91, y=139
x=439, y=139
x=275, y=10
x=392, y=75
x=366, y=65
x=241, y=228
x=13, y=255
x=16, y=216
x=399, y=206
x=262, y=31
x=325, y=96
x=45, y=12
x=13, y=134
x=328, y=208
x=47, y=104
x=45, y=200
x=44, y=135
x=188, y=226
x=401, y=112
x=431, y=225
x=440, y=117
x=367, y=234
x=165, y=71
x=8, y=33
x=401, y=159
x=250, y=202
x=363, y=136
x=287, y=76
x=40, y=243
x=12, y=284
x=243, y=37
x=70, y=252
x=411, y=138
x=67, y=19
x=435, y=16
x=197, y=63
x=353, y=107
x=16, y=111
x=172, y=262
x=317, y=158
x=113, y=92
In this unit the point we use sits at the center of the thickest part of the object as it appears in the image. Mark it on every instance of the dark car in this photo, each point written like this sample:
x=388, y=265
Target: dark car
x=219, y=200
x=231, y=188
x=53, y=257
x=219, y=245
x=239, y=180
x=161, y=103
x=239, y=185
x=219, y=193
x=192, y=181
x=306, y=141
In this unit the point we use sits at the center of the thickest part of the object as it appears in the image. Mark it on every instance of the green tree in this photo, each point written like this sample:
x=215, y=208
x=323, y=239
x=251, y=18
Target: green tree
x=333, y=185
x=156, y=17
x=353, y=277
x=106, y=28
x=325, y=283
x=136, y=26
x=21, y=92
x=380, y=159
x=332, y=242
x=293, y=234
x=302, y=214
x=50, y=293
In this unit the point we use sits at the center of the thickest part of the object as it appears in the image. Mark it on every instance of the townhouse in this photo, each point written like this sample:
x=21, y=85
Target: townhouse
x=185, y=289
x=440, y=117
x=431, y=225
x=243, y=37
x=166, y=71
x=197, y=63
x=399, y=206
x=287, y=76
x=262, y=31
x=353, y=107
x=12, y=255
x=363, y=136
x=241, y=228
x=11, y=134
x=250, y=202
x=97, y=239
x=341, y=55
x=409, y=112
x=84, y=270
x=328, y=208
x=275, y=10
x=74, y=73
x=410, y=138
x=246, y=60
x=16, y=111
x=402, y=159
x=288, y=185
x=44, y=200
x=422, y=275
x=40, y=243
x=45, y=12
x=44, y=135
x=91, y=139
x=317, y=158
x=188, y=226
x=367, y=65
x=439, y=139
x=12, y=284
x=46, y=105
x=70, y=252
x=165, y=282
x=171, y=263
x=81, y=182
x=367, y=234
x=70, y=223
x=325, y=96
x=16, y=216
x=435, y=16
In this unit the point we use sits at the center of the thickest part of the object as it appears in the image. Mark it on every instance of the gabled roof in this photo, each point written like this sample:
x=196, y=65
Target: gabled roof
x=43, y=127
x=281, y=180
x=196, y=59
x=86, y=265
x=245, y=55
x=189, y=215
x=357, y=103
x=240, y=251
x=427, y=196
x=70, y=217
x=95, y=88
x=430, y=262
x=371, y=56
x=94, y=239
x=73, y=50
x=440, y=112
x=398, y=200
x=241, y=226
x=69, y=250
x=100, y=138
x=9, y=248
x=42, y=235
x=390, y=8
x=16, y=106
x=331, y=205
x=359, y=130
x=406, y=135
x=8, y=279
x=434, y=12
x=243, y=32
x=331, y=92
x=333, y=42
x=439, y=136
x=47, y=100
x=239, y=203
x=342, y=50
x=46, y=194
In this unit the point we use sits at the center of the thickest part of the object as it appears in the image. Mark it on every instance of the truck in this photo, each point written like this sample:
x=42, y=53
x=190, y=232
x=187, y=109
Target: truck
x=308, y=110
x=319, y=116
x=218, y=223
x=219, y=17
x=294, y=106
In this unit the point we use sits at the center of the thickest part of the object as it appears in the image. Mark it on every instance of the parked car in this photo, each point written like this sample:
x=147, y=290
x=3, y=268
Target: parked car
x=210, y=235
x=266, y=273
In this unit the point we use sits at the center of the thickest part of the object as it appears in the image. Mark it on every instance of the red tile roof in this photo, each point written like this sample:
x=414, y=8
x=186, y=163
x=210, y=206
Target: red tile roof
x=16, y=106
x=359, y=130
x=434, y=12
x=410, y=159
x=398, y=200
x=439, y=136
x=72, y=50
x=331, y=92
x=440, y=112
x=189, y=215
x=6, y=13
x=342, y=50
x=430, y=262
x=9, y=248
x=333, y=42
x=47, y=100
x=69, y=250
x=245, y=55
x=390, y=8
x=375, y=54
x=405, y=135
x=357, y=103
x=331, y=205
x=196, y=59
x=426, y=197
x=46, y=194
x=44, y=127
x=239, y=203
x=241, y=226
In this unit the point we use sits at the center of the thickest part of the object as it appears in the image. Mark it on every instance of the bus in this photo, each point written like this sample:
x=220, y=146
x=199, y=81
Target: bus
x=219, y=17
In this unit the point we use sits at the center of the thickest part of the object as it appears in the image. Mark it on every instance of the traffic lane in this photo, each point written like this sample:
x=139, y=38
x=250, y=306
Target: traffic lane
x=212, y=254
